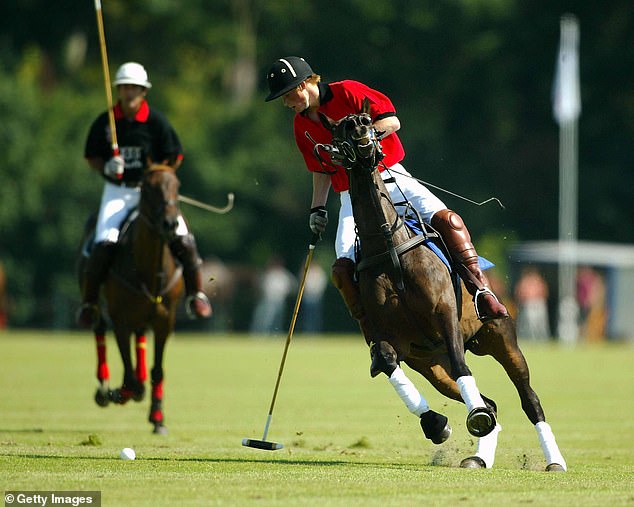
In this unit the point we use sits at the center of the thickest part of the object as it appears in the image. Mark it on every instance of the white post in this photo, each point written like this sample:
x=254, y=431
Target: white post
x=566, y=108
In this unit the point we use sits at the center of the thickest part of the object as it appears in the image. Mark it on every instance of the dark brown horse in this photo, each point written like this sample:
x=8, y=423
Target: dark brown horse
x=142, y=291
x=413, y=311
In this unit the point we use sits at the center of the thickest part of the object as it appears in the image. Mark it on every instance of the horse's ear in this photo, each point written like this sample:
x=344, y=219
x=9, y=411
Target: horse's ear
x=326, y=122
x=365, y=108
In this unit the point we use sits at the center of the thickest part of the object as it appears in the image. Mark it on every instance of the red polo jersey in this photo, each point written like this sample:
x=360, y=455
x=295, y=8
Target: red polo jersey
x=336, y=101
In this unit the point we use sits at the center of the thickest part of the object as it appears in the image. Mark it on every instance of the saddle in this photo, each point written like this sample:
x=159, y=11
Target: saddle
x=422, y=235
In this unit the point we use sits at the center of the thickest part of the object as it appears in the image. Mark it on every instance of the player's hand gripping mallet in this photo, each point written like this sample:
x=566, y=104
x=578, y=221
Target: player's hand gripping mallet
x=264, y=444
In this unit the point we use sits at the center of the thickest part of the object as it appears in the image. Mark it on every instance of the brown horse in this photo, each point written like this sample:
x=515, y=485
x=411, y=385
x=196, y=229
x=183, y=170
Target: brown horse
x=413, y=310
x=142, y=292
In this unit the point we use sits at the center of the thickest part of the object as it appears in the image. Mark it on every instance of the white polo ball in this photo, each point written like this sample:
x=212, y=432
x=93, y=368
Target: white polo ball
x=127, y=454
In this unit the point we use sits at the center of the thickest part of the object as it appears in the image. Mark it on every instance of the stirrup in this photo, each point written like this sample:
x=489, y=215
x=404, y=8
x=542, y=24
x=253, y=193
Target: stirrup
x=481, y=292
x=202, y=297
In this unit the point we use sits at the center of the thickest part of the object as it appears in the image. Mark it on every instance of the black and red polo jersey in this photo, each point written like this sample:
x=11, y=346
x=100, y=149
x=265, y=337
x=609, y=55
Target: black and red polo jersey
x=336, y=101
x=148, y=135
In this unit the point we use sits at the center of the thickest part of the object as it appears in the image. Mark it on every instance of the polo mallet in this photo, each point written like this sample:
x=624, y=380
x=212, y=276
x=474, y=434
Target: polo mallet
x=208, y=207
x=264, y=444
x=106, y=77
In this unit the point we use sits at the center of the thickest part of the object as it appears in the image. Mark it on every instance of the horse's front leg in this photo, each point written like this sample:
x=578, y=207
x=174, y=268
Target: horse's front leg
x=435, y=369
x=480, y=419
x=435, y=426
x=102, y=395
x=131, y=388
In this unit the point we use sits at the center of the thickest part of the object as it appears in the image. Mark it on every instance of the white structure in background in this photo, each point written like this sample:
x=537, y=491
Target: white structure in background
x=566, y=109
x=616, y=260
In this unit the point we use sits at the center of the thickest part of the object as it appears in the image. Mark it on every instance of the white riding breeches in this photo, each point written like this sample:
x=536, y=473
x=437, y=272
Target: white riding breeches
x=403, y=188
x=116, y=202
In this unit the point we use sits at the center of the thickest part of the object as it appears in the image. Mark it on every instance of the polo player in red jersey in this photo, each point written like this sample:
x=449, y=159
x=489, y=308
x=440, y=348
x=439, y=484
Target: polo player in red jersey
x=293, y=80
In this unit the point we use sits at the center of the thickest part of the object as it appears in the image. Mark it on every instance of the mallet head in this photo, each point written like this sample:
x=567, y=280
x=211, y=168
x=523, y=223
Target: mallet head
x=261, y=444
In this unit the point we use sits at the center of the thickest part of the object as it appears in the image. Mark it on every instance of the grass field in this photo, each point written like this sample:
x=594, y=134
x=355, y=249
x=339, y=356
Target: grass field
x=348, y=439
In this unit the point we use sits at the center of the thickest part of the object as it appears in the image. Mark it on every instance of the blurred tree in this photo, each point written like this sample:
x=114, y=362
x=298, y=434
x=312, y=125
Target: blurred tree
x=471, y=80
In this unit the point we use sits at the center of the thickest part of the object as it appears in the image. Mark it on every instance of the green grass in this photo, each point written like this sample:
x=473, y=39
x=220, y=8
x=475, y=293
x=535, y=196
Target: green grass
x=348, y=438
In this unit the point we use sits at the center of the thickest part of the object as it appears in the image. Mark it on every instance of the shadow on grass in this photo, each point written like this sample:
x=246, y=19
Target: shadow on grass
x=250, y=461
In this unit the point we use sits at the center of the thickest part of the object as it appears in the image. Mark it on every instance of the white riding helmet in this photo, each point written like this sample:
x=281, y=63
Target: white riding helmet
x=132, y=73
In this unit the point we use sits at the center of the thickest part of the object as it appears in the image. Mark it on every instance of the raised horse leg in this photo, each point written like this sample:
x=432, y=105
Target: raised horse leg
x=435, y=370
x=384, y=360
x=481, y=419
x=498, y=339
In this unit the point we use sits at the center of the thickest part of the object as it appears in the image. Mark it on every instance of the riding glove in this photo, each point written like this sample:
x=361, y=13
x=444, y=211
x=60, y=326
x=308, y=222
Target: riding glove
x=318, y=219
x=114, y=167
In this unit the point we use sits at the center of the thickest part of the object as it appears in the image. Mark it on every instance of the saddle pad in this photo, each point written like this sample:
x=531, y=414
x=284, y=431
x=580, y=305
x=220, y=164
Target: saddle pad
x=415, y=226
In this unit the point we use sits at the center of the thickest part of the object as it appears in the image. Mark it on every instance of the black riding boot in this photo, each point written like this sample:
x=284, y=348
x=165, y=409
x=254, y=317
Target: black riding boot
x=184, y=249
x=95, y=271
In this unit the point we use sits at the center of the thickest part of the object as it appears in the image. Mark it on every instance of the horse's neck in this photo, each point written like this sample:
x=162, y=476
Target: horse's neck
x=373, y=212
x=148, y=253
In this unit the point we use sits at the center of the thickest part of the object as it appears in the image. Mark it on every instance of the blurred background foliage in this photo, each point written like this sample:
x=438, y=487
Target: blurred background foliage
x=471, y=80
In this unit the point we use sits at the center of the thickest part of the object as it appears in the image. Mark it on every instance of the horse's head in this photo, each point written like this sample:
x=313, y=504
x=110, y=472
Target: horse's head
x=159, y=200
x=355, y=144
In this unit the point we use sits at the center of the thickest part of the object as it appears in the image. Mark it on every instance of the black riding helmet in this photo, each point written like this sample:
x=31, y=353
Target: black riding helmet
x=285, y=74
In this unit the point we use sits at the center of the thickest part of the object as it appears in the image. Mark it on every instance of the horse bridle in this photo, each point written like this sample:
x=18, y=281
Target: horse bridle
x=356, y=146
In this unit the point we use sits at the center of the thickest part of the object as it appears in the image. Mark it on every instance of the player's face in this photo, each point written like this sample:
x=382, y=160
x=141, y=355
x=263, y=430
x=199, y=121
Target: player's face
x=131, y=97
x=297, y=99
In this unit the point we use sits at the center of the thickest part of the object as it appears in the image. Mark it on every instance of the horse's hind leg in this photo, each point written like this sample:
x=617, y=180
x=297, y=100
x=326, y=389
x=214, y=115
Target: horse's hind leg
x=384, y=360
x=499, y=340
x=157, y=418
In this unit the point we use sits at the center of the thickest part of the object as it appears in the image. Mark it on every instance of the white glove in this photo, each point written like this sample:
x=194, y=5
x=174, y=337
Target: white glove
x=318, y=219
x=114, y=167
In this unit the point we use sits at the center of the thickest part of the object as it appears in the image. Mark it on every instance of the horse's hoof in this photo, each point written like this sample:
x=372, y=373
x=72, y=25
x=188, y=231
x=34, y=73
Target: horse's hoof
x=435, y=426
x=473, y=462
x=139, y=394
x=555, y=467
x=102, y=397
x=159, y=429
x=481, y=421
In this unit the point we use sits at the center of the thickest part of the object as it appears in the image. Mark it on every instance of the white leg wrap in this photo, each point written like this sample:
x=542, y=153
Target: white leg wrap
x=469, y=392
x=549, y=445
x=487, y=446
x=407, y=391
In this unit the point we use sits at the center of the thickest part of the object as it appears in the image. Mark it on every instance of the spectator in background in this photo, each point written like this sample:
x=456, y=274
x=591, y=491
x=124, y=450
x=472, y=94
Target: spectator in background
x=311, y=312
x=531, y=293
x=276, y=284
x=591, y=296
